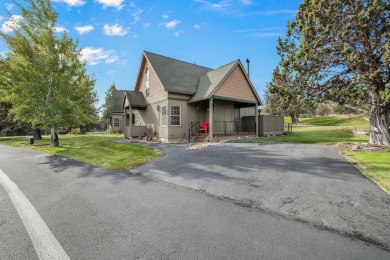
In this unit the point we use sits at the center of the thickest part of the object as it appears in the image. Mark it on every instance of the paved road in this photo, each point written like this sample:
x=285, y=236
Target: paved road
x=101, y=214
x=311, y=183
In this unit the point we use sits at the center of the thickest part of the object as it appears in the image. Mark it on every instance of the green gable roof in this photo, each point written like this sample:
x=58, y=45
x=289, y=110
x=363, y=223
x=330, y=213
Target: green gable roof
x=136, y=99
x=175, y=75
x=116, y=102
x=209, y=82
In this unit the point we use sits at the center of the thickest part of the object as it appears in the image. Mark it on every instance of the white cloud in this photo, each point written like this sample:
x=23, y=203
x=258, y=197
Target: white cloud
x=7, y=26
x=197, y=26
x=246, y=2
x=165, y=16
x=111, y=72
x=113, y=30
x=120, y=7
x=59, y=29
x=1, y=18
x=110, y=3
x=84, y=29
x=171, y=24
x=132, y=4
x=146, y=25
x=136, y=15
x=177, y=34
x=215, y=6
x=71, y=2
x=268, y=35
x=8, y=6
x=283, y=11
x=94, y=56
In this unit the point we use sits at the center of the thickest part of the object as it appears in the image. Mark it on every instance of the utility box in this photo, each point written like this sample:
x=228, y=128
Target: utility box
x=271, y=125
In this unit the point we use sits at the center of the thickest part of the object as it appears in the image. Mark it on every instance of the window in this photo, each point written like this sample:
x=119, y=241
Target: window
x=137, y=119
x=175, y=115
x=116, y=122
x=164, y=115
x=147, y=90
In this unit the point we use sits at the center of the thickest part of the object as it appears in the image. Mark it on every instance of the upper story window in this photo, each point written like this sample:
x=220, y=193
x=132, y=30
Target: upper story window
x=147, y=90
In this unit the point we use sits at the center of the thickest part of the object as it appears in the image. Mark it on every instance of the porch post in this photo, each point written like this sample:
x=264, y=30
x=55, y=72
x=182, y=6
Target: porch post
x=124, y=122
x=211, y=118
x=130, y=123
x=257, y=120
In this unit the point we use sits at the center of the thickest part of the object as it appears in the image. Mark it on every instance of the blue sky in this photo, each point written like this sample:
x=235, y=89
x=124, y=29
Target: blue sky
x=113, y=34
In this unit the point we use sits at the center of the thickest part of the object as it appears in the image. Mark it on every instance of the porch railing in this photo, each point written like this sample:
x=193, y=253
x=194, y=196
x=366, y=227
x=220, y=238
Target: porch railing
x=234, y=127
x=194, y=129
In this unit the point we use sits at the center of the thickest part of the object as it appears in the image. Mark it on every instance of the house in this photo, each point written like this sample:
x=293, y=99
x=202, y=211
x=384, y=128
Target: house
x=172, y=98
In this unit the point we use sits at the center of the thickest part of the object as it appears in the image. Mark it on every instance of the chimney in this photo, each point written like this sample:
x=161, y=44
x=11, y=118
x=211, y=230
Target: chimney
x=247, y=66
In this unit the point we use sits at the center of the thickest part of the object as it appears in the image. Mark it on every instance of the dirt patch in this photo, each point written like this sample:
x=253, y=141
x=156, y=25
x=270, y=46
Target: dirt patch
x=363, y=147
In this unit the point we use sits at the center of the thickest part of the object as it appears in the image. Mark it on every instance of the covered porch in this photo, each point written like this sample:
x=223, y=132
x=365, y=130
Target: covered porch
x=224, y=116
x=133, y=102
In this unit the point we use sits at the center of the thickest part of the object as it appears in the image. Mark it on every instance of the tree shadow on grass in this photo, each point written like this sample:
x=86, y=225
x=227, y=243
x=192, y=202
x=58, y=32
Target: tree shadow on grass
x=59, y=164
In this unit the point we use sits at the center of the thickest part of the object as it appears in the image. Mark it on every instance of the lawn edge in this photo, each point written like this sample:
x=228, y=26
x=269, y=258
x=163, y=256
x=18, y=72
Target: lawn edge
x=361, y=167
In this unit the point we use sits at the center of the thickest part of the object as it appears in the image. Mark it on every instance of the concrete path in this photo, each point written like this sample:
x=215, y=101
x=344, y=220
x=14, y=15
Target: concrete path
x=310, y=183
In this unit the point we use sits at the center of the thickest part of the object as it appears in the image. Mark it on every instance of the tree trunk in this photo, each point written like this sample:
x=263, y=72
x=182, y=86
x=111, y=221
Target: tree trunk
x=82, y=130
x=54, y=141
x=37, y=134
x=294, y=118
x=379, y=121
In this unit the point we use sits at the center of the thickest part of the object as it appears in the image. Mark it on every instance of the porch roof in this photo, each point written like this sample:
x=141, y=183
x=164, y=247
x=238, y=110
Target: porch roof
x=135, y=98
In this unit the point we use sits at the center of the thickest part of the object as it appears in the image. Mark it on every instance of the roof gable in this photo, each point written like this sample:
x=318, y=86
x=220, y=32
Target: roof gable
x=175, y=75
x=116, y=101
x=209, y=82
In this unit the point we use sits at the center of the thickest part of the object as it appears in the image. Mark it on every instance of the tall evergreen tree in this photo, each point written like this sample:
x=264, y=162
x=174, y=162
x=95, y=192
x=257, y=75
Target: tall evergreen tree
x=107, y=104
x=284, y=93
x=47, y=83
x=345, y=48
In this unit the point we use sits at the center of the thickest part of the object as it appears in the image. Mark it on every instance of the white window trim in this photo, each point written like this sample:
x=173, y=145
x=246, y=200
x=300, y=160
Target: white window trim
x=166, y=115
x=147, y=82
x=170, y=115
x=119, y=122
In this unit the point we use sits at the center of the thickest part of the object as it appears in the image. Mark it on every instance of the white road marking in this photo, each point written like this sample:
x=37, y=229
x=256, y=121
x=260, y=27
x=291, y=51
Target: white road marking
x=45, y=243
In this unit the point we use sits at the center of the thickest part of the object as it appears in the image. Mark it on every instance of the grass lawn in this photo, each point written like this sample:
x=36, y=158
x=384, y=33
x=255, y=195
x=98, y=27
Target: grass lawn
x=354, y=121
x=318, y=135
x=375, y=165
x=98, y=150
x=333, y=130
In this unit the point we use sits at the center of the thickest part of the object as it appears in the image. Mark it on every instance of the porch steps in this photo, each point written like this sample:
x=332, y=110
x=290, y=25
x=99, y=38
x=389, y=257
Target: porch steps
x=200, y=138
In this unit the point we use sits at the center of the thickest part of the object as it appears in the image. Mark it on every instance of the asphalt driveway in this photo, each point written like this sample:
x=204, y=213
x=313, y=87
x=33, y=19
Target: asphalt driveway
x=310, y=183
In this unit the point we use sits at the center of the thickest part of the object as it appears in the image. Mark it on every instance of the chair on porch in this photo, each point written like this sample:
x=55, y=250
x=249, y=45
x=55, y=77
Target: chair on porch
x=204, y=127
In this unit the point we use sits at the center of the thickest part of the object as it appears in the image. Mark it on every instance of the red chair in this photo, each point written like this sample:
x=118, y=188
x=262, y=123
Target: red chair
x=204, y=127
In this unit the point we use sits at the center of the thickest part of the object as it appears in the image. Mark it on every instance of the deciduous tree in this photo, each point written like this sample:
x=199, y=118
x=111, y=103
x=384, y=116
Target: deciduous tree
x=47, y=83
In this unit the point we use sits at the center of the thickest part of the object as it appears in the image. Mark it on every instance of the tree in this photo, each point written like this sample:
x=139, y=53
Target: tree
x=345, y=49
x=47, y=84
x=284, y=93
x=107, y=104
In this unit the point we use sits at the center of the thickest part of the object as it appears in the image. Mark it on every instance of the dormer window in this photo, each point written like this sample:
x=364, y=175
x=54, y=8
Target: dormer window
x=147, y=82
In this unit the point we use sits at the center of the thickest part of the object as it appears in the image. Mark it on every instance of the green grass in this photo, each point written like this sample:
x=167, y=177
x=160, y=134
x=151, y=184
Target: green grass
x=354, y=121
x=375, y=165
x=317, y=135
x=98, y=150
